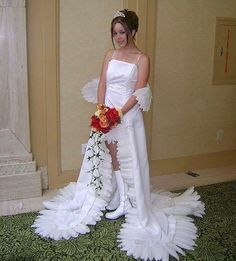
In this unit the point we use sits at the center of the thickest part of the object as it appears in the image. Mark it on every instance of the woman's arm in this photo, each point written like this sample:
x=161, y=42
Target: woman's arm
x=143, y=74
x=102, y=81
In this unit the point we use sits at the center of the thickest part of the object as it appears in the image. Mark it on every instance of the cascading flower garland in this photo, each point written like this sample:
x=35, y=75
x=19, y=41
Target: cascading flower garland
x=103, y=120
x=95, y=155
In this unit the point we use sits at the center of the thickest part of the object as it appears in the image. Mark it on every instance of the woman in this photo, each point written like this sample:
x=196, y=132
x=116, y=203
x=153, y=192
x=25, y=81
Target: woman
x=115, y=171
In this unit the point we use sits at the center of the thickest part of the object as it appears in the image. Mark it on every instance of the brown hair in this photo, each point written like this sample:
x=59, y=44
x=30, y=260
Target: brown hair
x=129, y=22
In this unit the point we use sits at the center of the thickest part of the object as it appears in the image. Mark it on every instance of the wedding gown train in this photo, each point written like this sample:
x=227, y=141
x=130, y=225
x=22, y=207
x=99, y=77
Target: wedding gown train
x=158, y=223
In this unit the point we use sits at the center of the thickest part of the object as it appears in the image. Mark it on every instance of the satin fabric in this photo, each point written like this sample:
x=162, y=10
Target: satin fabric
x=157, y=225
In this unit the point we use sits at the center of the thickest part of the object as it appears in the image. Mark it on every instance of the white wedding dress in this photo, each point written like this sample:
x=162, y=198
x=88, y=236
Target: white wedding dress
x=157, y=225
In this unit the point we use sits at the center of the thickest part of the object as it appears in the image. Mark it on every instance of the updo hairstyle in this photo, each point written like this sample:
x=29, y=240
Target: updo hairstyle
x=129, y=22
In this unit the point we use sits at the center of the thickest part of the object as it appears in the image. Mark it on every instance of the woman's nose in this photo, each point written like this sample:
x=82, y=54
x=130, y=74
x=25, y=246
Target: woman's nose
x=118, y=37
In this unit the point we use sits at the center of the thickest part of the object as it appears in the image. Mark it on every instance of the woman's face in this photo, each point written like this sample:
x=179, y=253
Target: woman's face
x=119, y=35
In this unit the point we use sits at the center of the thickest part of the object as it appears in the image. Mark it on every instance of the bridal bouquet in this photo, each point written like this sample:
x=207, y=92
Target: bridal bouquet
x=105, y=118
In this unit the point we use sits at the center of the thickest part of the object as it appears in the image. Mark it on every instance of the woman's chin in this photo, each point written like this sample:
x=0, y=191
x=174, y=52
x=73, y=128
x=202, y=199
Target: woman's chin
x=120, y=45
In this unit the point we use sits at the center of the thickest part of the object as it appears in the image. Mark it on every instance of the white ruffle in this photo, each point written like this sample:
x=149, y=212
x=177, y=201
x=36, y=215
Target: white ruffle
x=144, y=97
x=77, y=205
x=168, y=230
x=156, y=226
x=89, y=90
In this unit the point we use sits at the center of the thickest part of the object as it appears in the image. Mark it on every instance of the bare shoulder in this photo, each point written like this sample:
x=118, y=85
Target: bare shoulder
x=144, y=70
x=144, y=60
x=109, y=54
x=107, y=58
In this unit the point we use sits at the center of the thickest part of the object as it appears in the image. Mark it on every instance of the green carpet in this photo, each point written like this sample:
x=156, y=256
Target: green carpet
x=216, y=241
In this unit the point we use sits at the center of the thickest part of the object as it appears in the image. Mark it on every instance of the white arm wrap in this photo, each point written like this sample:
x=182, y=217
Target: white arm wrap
x=144, y=97
x=89, y=90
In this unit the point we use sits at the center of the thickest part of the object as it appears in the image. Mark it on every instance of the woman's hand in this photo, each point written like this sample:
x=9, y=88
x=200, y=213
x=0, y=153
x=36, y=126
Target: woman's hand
x=105, y=118
x=120, y=112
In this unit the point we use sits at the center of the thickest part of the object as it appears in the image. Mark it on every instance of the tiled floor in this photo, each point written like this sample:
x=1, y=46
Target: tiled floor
x=168, y=182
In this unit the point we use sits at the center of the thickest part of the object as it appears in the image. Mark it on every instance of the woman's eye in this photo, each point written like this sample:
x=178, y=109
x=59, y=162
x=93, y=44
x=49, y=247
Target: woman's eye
x=116, y=33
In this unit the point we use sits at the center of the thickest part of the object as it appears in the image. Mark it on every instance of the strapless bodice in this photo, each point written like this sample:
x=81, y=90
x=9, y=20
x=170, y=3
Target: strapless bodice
x=121, y=78
x=121, y=74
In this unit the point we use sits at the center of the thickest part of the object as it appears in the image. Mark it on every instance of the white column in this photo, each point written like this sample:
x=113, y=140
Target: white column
x=18, y=175
x=14, y=107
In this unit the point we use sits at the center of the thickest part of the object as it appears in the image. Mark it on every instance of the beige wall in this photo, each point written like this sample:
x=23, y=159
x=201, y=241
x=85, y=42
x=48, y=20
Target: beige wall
x=188, y=110
x=35, y=17
x=84, y=38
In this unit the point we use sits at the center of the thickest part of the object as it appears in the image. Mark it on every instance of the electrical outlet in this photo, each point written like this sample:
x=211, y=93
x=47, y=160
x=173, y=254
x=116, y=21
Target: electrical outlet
x=83, y=148
x=220, y=134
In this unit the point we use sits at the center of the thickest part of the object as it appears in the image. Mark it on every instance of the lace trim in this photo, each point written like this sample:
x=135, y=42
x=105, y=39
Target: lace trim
x=169, y=230
x=144, y=97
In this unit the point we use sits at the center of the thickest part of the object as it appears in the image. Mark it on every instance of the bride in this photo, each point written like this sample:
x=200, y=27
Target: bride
x=114, y=174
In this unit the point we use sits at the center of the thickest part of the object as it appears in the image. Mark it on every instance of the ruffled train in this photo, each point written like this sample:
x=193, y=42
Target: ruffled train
x=167, y=231
x=158, y=223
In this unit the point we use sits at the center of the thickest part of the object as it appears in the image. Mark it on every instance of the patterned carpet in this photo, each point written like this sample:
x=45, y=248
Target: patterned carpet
x=216, y=241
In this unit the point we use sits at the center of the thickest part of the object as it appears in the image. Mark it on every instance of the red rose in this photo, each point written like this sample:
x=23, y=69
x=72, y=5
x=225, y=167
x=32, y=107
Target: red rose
x=107, y=119
x=113, y=116
x=95, y=122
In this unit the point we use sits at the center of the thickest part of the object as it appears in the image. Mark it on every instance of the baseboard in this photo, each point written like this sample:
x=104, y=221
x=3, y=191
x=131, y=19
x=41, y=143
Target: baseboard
x=182, y=180
x=183, y=164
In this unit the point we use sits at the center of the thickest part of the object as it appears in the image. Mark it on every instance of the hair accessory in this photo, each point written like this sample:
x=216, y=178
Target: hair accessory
x=118, y=13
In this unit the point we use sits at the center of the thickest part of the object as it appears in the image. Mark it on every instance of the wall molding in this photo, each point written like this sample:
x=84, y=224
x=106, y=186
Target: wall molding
x=183, y=164
x=43, y=48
